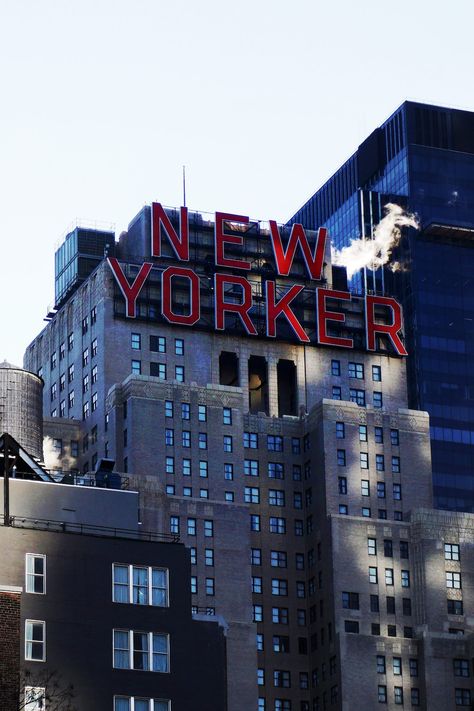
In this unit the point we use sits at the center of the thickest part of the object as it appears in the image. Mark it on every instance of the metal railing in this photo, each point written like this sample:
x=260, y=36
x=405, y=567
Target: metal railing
x=87, y=529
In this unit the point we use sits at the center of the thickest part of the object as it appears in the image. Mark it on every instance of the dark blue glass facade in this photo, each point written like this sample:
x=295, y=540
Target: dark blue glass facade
x=422, y=157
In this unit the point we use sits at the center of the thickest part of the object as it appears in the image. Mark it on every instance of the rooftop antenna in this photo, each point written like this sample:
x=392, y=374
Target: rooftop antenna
x=184, y=185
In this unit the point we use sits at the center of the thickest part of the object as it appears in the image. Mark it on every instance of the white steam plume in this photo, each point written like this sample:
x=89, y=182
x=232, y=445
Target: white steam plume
x=52, y=459
x=375, y=252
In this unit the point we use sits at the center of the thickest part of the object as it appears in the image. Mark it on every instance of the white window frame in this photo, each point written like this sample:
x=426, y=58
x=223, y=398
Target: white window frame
x=132, y=699
x=150, y=569
x=33, y=695
x=149, y=650
x=32, y=556
x=27, y=640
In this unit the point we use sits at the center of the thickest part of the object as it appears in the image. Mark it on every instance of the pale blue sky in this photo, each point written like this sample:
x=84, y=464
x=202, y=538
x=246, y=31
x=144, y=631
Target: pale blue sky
x=103, y=101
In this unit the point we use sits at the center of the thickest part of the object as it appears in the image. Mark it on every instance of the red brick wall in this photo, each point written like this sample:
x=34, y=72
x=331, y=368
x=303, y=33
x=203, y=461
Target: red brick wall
x=9, y=650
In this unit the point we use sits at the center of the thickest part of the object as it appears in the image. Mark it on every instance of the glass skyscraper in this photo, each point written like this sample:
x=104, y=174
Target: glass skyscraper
x=422, y=158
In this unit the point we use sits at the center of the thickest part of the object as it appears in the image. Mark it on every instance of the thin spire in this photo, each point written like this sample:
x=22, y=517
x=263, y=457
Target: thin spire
x=184, y=185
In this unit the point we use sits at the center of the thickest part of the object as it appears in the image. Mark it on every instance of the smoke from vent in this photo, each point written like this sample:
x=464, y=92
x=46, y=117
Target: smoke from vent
x=52, y=459
x=375, y=252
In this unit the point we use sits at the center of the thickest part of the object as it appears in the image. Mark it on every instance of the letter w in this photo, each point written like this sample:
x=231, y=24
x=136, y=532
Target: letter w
x=284, y=260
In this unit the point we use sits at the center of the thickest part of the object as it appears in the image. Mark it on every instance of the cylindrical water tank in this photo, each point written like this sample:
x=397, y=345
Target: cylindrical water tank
x=21, y=407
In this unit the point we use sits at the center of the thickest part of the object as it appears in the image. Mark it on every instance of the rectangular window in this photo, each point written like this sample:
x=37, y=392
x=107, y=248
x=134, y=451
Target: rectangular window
x=378, y=435
x=35, y=565
x=277, y=524
x=158, y=344
x=254, y=522
x=377, y=373
x=362, y=433
x=202, y=413
x=158, y=370
x=228, y=471
x=252, y=495
x=295, y=445
x=202, y=440
x=191, y=527
x=227, y=443
x=342, y=484
x=397, y=492
x=280, y=615
x=179, y=373
x=364, y=460
x=258, y=613
x=140, y=585
x=394, y=438
x=35, y=698
x=341, y=457
x=274, y=443
x=382, y=694
x=336, y=392
x=379, y=462
x=461, y=667
x=226, y=415
x=276, y=497
x=377, y=399
x=356, y=370
x=275, y=470
x=35, y=640
x=397, y=666
x=335, y=367
x=462, y=697
x=208, y=529
x=451, y=551
x=70, y=341
x=143, y=651
x=398, y=695
x=210, y=586
x=136, y=341
x=169, y=437
x=453, y=580
x=168, y=408
x=358, y=396
x=396, y=465
x=381, y=489
x=178, y=346
x=279, y=587
x=340, y=430
x=365, y=487
x=351, y=626
x=278, y=559
x=381, y=669
x=94, y=374
x=256, y=556
x=374, y=603
x=388, y=576
x=186, y=438
x=250, y=467
x=373, y=578
x=455, y=607
x=136, y=367
x=174, y=525
x=350, y=600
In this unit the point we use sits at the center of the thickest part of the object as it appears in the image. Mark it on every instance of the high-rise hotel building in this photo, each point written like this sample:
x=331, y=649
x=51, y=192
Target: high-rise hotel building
x=261, y=412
